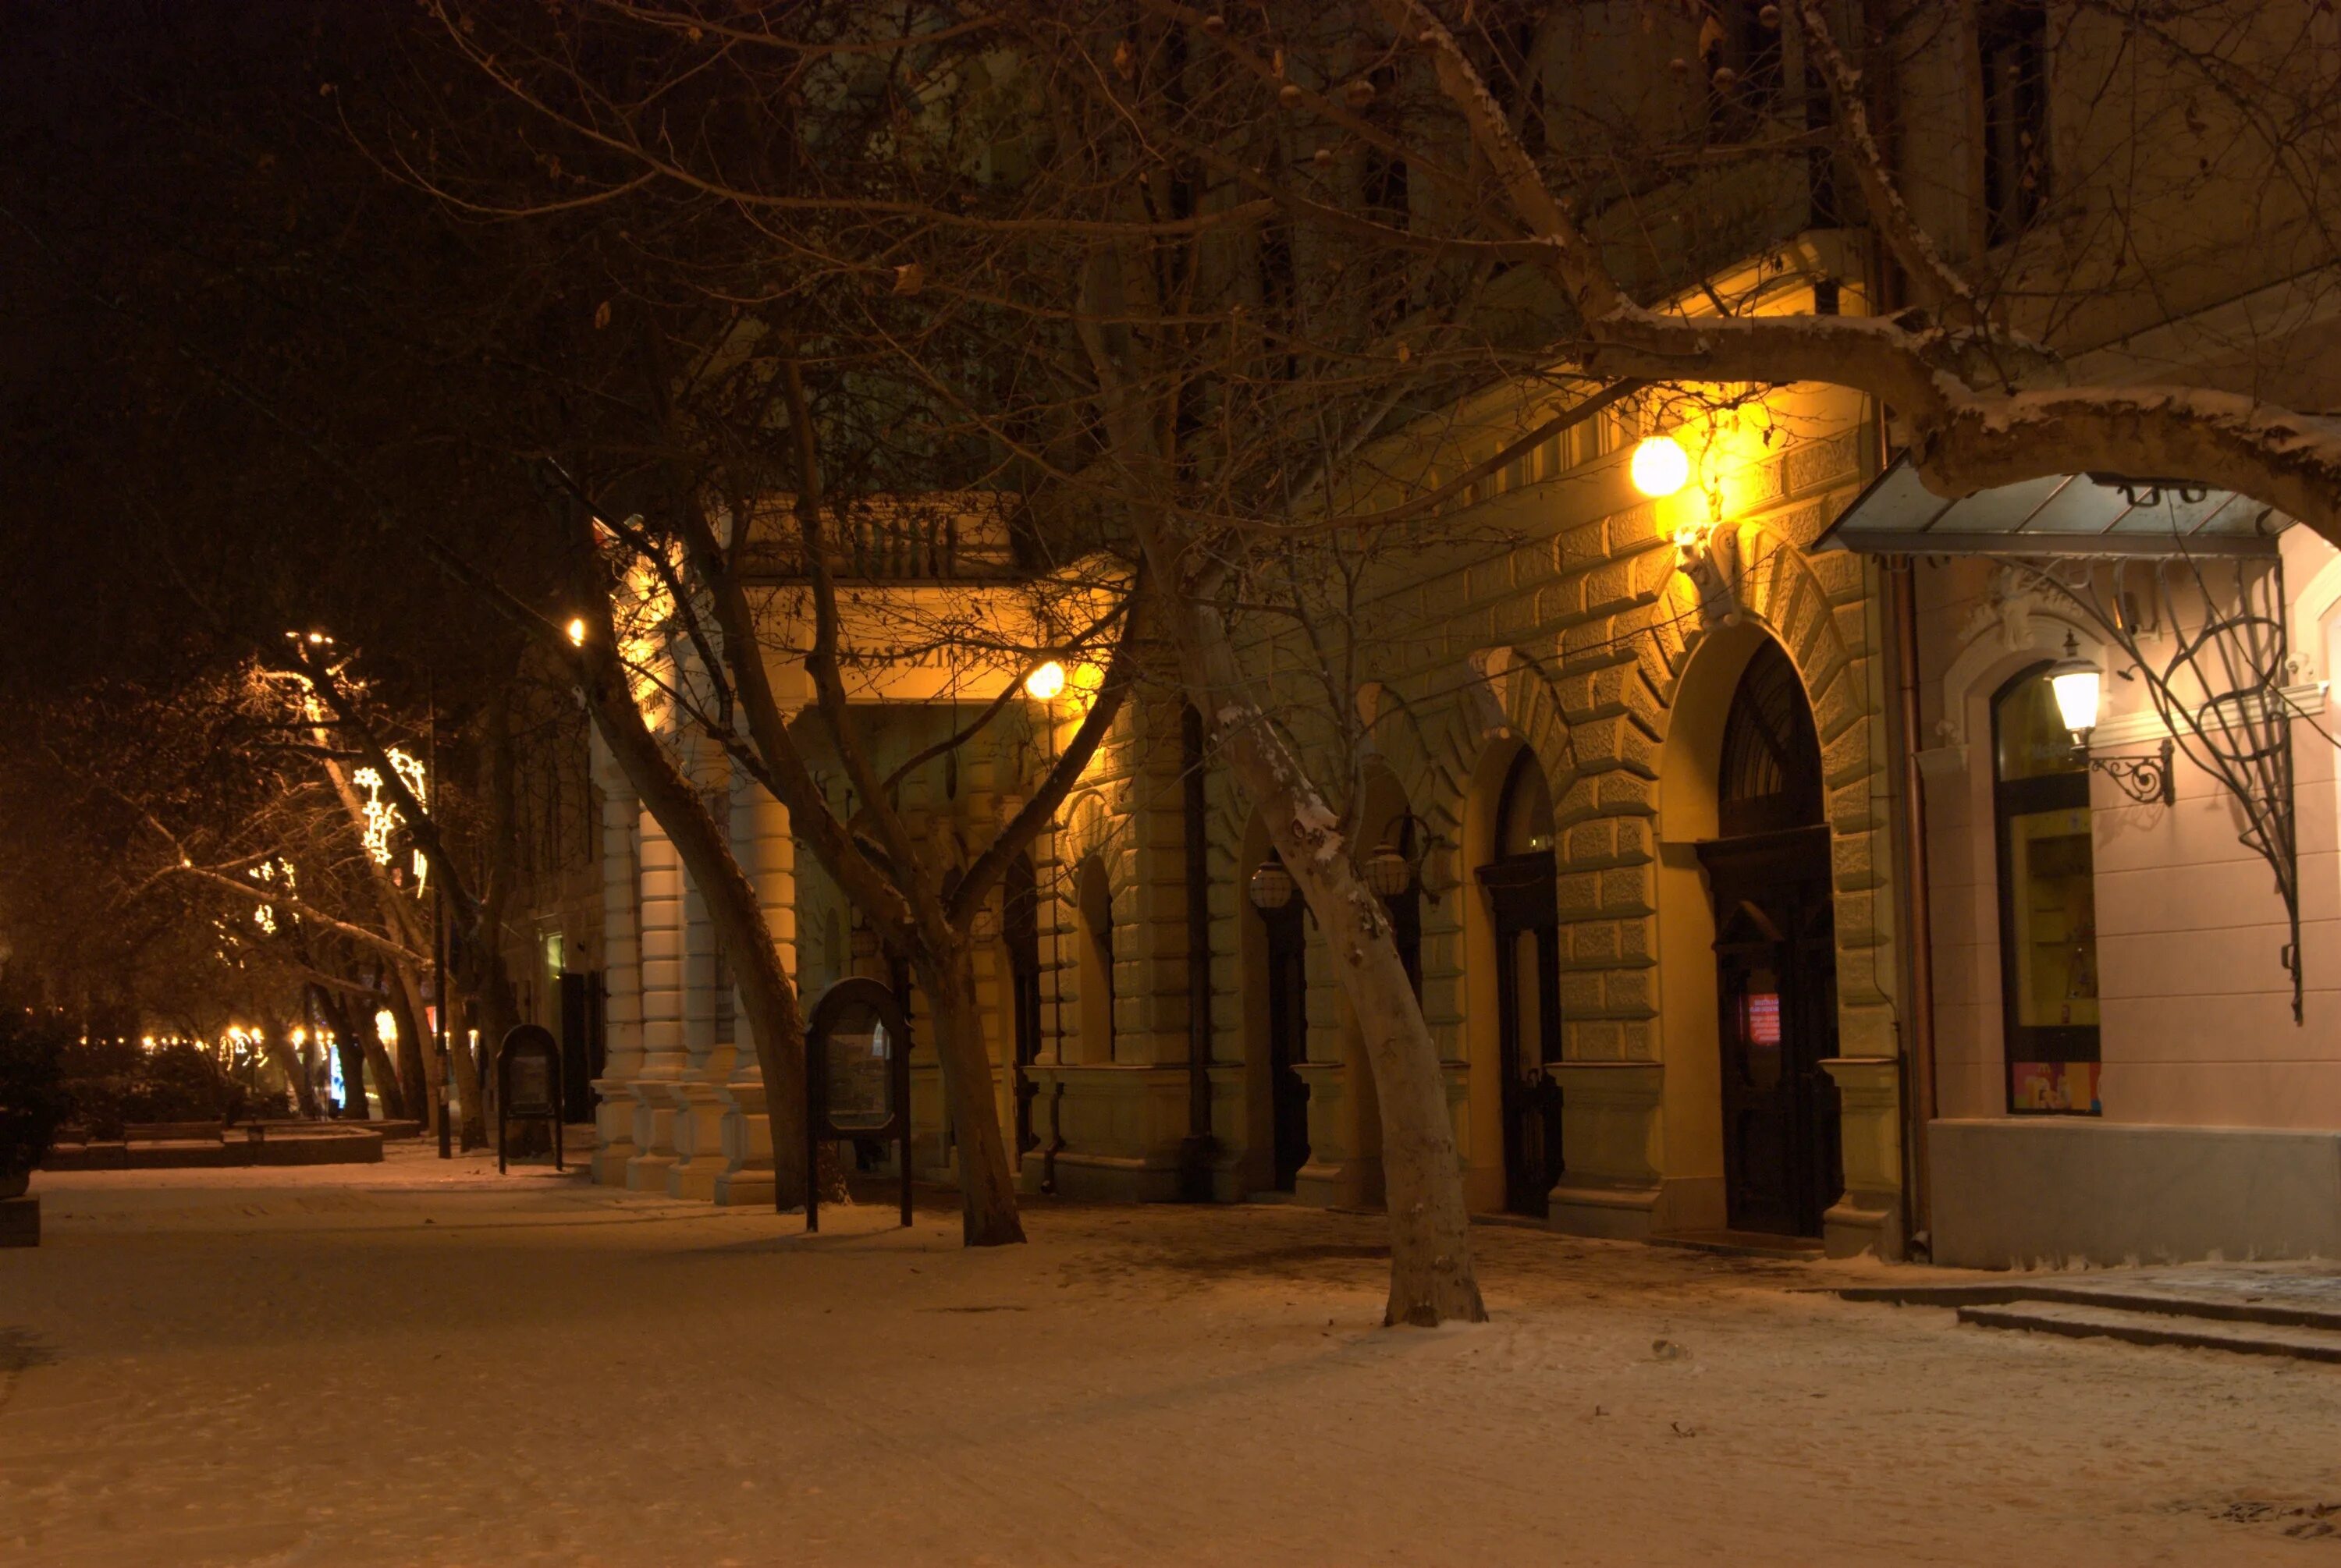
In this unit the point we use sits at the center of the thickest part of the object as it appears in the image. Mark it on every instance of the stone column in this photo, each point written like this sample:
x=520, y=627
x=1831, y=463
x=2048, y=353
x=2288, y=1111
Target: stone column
x=1867, y=1215
x=762, y=840
x=707, y=1043
x=621, y=975
x=662, y=1048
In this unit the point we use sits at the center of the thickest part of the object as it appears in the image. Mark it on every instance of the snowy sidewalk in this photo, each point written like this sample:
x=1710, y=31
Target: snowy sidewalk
x=422, y=1363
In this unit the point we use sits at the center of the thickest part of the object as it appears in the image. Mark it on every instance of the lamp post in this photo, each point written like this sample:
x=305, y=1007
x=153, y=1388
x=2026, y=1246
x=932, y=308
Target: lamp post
x=1043, y=683
x=438, y=933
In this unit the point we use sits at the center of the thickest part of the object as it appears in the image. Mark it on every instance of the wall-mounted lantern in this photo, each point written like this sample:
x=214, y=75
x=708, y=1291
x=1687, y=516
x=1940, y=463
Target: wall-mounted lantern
x=1271, y=886
x=2079, y=687
x=1395, y=869
x=1387, y=872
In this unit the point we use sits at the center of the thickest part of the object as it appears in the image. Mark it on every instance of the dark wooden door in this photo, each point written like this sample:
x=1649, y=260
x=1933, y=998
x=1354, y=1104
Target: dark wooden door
x=1775, y=984
x=582, y=1047
x=1287, y=1040
x=1527, y=919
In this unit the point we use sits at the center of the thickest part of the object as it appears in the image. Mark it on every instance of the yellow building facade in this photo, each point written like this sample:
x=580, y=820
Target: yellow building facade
x=1580, y=701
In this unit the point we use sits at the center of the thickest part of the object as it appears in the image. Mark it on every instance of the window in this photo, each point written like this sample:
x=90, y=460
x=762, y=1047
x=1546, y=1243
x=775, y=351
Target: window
x=1524, y=811
x=2013, y=37
x=1385, y=183
x=1740, y=63
x=1019, y=932
x=1405, y=907
x=726, y=1002
x=1518, y=81
x=2048, y=903
x=1769, y=776
x=1094, y=903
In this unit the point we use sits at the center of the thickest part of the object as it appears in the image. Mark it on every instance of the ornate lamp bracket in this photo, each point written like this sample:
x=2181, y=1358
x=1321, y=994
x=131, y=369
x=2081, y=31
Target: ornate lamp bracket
x=2145, y=780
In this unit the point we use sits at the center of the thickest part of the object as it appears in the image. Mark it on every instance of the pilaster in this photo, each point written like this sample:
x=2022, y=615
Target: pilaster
x=663, y=1056
x=762, y=840
x=1609, y=1135
x=708, y=1021
x=1867, y=1215
x=613, y=1112
x=1339, y=1174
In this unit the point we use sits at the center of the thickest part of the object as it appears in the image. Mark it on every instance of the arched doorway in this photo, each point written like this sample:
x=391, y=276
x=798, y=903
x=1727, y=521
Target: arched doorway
x=1776, y=956
x=1519, y=879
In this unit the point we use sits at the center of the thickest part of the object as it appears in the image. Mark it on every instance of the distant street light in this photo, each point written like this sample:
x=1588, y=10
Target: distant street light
x=577, y=632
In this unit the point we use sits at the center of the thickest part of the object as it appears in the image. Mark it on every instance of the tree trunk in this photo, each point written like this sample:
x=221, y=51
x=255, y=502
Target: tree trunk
x=489, y=983
x=406, y=1090
x=1431, y=1275
x=490, y=980
x=768, y=998
x=470, y=1126
x=404, y=999
x=361, y=1048
x=987, y=1189
x=288, y=1061
x=386, y=1083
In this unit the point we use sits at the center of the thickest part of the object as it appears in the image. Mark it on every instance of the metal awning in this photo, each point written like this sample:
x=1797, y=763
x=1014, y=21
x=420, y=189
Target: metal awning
x=2071, y=515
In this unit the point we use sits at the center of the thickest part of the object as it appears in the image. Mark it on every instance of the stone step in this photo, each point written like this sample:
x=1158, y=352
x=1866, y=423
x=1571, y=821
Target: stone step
x=2221, y=1305
x=2166, y=1323
x=1742, y=1244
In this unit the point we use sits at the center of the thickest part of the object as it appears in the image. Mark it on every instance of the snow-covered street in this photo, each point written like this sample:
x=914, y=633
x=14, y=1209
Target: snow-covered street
x=413, y=1363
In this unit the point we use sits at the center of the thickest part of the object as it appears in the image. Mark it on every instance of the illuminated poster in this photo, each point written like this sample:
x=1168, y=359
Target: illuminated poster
x=858, y=1092
x=2052, y=1086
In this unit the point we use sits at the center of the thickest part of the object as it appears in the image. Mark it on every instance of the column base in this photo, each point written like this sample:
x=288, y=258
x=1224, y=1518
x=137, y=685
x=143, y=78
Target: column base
x=1117, y=1178
x=698, y=1142
x=655, y=1153
x=743, y=1189
x=1616, y=1213
x=1862, y=1222
x=746, y=1180
x=1352, y=1183
x=613, y=1129
x=647, y=1173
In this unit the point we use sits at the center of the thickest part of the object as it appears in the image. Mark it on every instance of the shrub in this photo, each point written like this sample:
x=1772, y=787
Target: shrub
x=32, y=1103
x=112, y=1085
x=179, y=1084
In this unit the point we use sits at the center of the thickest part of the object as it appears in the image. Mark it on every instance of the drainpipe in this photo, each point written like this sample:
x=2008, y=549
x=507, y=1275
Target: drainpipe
x=1919, y=1100
x=1195, y=1149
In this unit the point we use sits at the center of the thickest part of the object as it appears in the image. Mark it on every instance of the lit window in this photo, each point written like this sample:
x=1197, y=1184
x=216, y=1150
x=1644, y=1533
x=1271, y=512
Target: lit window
x=2048, y=903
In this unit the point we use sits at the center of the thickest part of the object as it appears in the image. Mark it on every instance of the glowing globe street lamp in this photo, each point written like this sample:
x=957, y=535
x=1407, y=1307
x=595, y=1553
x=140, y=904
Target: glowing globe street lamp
x=1660, y=466
x=1045, y=680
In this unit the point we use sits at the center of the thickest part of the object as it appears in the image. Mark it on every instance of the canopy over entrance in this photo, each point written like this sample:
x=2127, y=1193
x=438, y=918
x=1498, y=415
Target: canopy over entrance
x=2072, y=515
